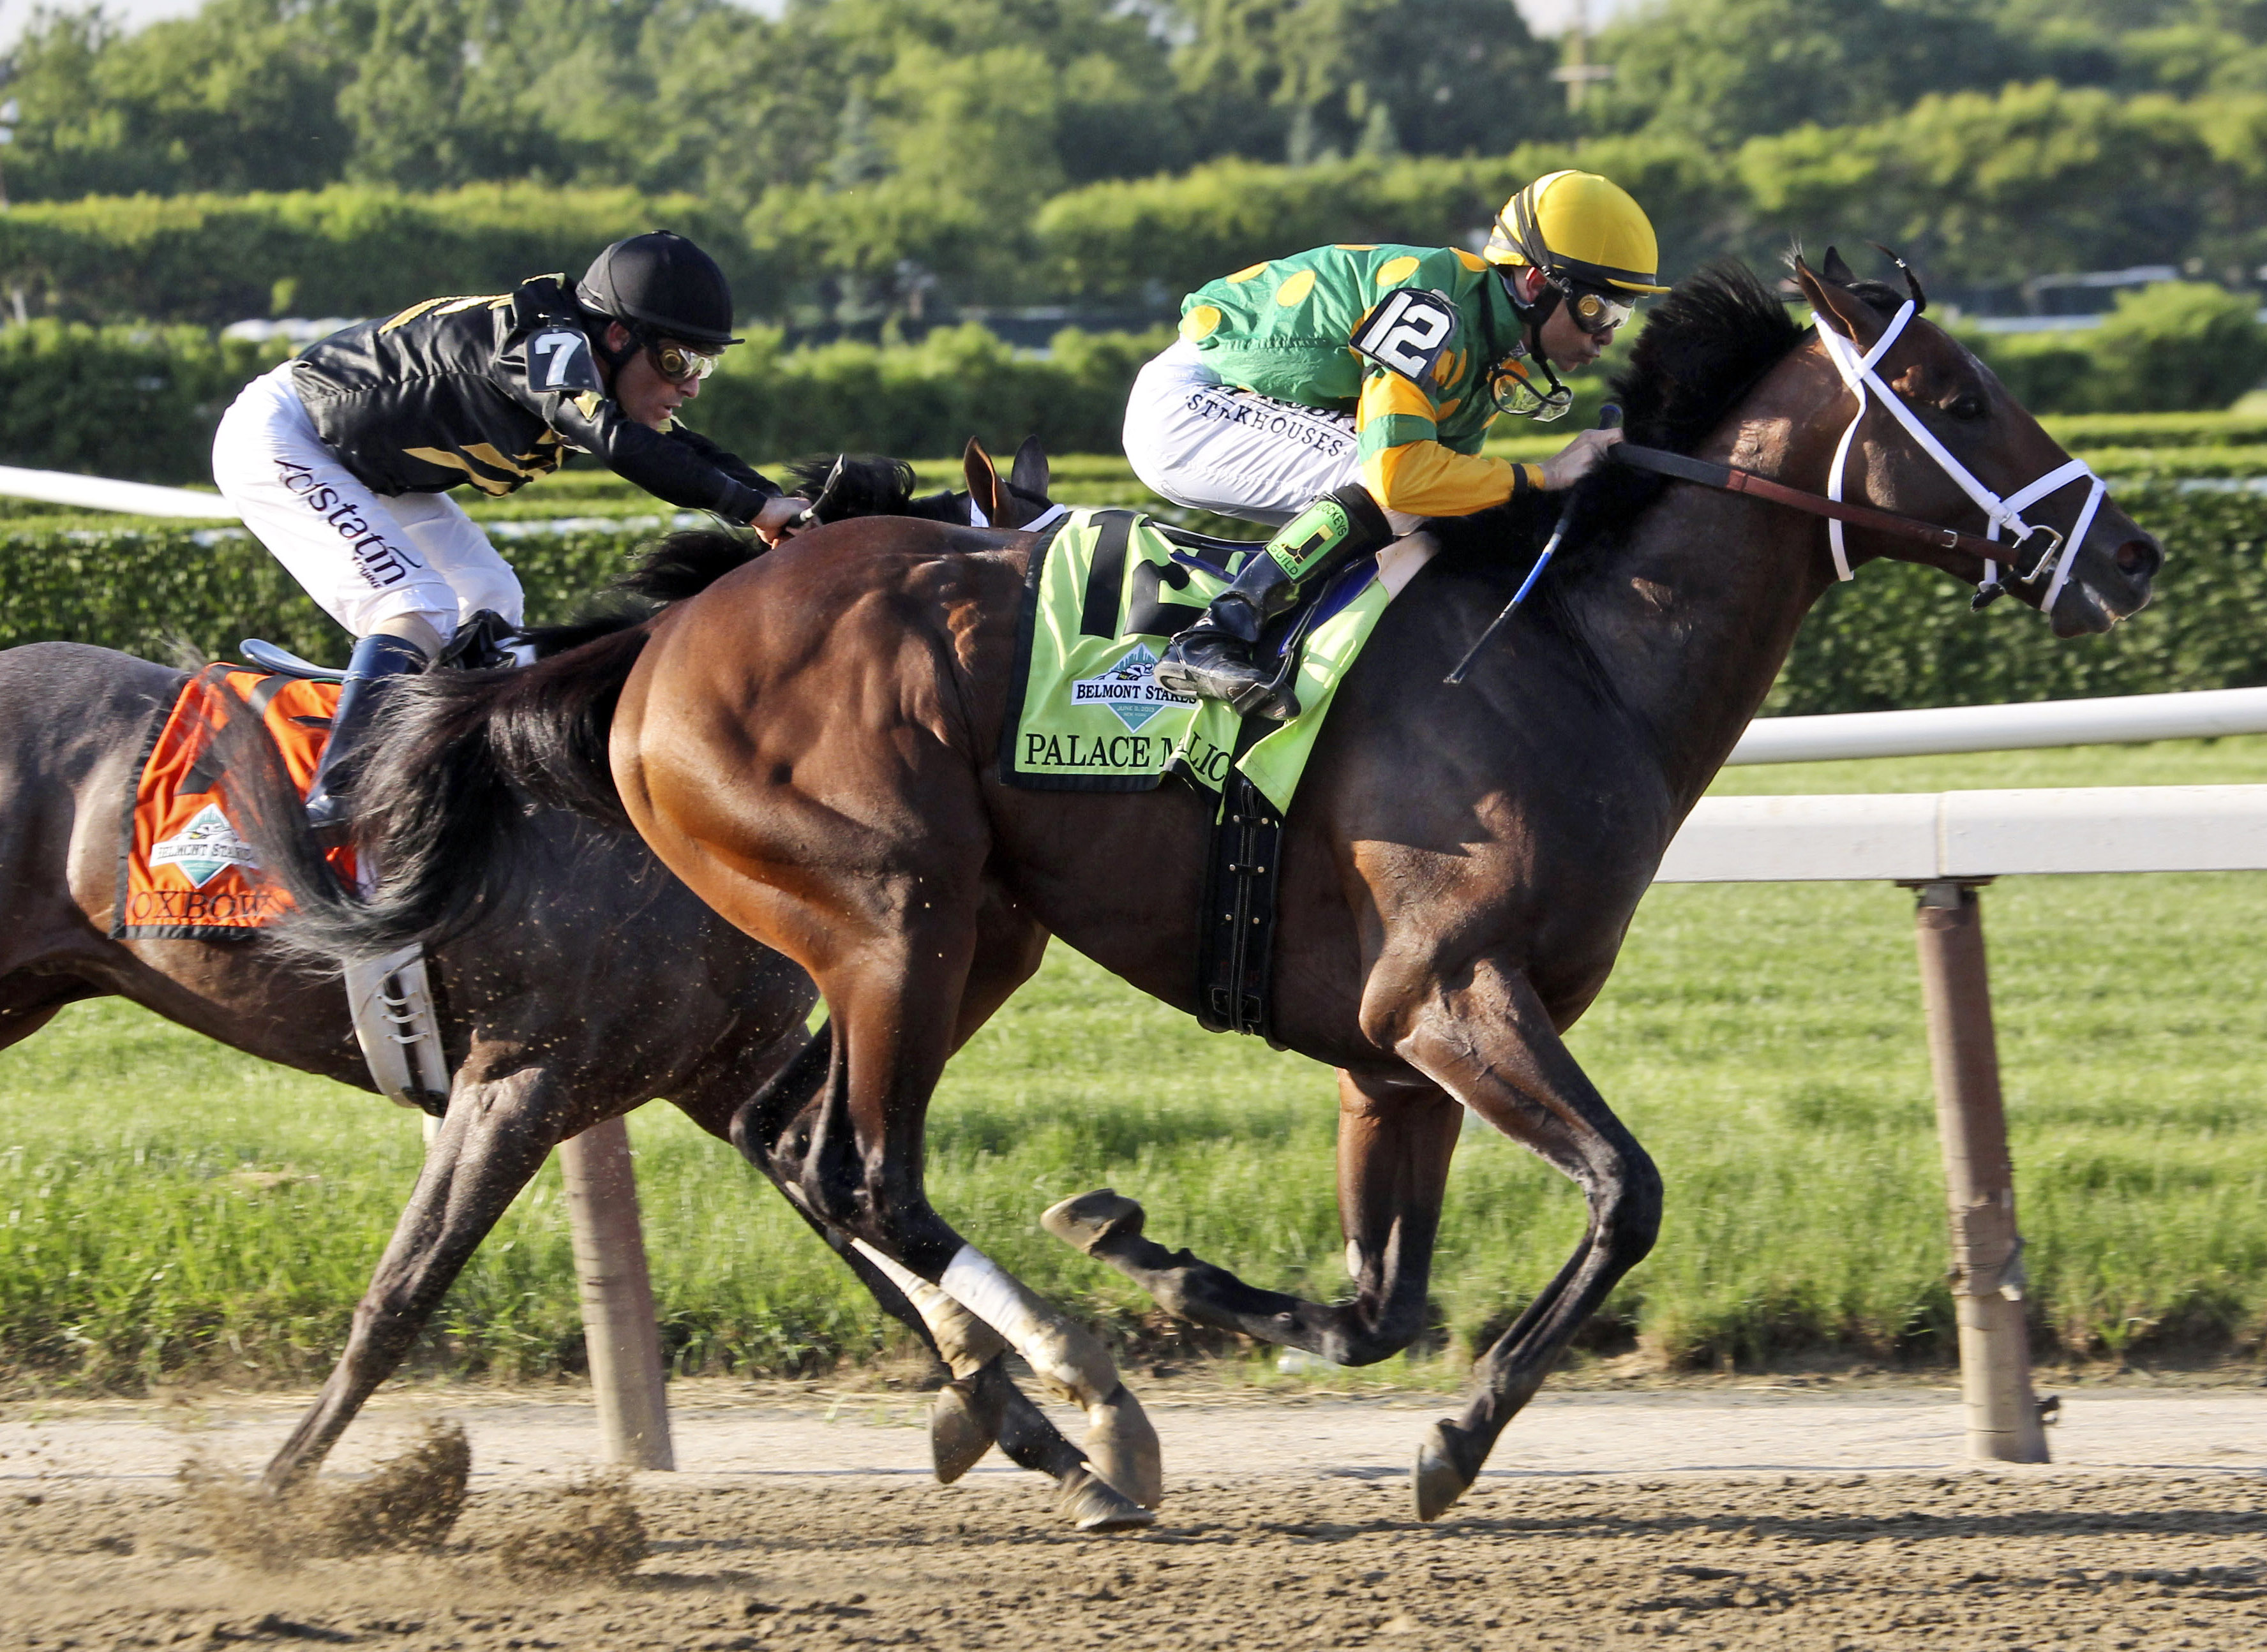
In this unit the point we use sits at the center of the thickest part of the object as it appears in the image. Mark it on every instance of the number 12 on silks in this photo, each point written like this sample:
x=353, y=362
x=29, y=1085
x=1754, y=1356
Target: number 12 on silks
x=1407, y=331
x=567, y=354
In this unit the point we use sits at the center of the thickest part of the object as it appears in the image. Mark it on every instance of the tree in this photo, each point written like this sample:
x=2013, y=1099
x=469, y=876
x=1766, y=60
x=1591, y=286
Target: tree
x=240, y=96
x=1452, y=77
x=1720, y=71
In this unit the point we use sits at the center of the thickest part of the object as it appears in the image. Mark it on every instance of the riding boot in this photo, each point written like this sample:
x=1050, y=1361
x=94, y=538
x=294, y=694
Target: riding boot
x=376, y=658
x=1213, y=659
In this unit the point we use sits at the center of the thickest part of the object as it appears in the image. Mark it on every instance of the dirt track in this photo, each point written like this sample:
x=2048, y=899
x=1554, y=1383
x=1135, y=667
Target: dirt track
x=1291, y=1531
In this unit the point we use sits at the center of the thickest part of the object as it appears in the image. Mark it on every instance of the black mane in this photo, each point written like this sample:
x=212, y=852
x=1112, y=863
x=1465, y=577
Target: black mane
x=1704, y=348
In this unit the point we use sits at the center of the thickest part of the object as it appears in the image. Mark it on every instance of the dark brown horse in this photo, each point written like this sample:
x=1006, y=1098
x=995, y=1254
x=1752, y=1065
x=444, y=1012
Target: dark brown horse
x=592, y=981
x=811, y=745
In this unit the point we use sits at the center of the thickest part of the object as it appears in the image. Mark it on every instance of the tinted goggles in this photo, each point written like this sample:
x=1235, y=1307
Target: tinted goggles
x=1594, y=311
x=680, y=363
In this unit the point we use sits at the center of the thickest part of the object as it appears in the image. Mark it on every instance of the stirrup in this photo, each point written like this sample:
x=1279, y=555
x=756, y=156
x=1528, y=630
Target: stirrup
x=1272, y=701
x=270, y=657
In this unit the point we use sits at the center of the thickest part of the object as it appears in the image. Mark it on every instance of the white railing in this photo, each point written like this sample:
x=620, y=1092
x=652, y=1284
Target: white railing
x=1948, y=845
x=1921, y=836
x=2199, y=716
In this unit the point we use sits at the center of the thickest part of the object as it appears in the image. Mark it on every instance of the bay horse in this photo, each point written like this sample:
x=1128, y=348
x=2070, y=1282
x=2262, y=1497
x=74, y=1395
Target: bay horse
x=811, y=745
x=593, y=981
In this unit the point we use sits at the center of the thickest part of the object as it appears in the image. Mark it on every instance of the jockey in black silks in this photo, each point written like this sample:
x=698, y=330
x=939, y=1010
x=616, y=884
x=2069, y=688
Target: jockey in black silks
x=341, y=460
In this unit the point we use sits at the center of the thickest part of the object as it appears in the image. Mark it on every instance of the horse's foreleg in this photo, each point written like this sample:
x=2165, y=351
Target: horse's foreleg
x=1491, y=1043
x=1395, y=1137
x=496, y=1139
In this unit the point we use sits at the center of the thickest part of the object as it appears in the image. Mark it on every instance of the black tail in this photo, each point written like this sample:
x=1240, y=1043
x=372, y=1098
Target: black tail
x=455, y=761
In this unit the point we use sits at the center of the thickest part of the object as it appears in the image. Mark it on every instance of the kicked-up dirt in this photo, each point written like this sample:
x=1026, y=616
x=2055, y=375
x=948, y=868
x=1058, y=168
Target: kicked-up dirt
x=1311, y=1552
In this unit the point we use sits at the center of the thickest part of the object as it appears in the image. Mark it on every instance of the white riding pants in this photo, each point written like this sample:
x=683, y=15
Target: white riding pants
x=1213, y=446
x=365, y=559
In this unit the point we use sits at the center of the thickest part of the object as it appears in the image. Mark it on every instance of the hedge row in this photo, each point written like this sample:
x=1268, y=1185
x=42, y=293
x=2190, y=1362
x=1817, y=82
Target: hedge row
x=140, y=403
x=1903, y=636
x=163, y=591
x=346, y=251
x=1899, y=636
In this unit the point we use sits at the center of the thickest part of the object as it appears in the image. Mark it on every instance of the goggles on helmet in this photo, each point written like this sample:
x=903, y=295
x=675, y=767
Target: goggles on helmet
x=680, y=363
x=1515, y=389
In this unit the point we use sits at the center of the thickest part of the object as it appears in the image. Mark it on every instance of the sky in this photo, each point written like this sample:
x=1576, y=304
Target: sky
x=1545, y=17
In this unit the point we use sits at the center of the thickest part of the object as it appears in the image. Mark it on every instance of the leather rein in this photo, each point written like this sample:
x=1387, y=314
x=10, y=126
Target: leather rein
x=1731, y=479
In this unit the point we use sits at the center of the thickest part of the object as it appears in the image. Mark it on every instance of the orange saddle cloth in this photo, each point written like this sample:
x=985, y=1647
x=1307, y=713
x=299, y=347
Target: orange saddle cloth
x=183, y=873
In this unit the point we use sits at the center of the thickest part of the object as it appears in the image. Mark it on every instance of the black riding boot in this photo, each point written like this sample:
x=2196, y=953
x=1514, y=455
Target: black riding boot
x=1213, y=659
x=376, y=658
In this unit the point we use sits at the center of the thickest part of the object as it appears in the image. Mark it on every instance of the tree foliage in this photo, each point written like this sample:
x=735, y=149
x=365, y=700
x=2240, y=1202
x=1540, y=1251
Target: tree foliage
x=876, y=161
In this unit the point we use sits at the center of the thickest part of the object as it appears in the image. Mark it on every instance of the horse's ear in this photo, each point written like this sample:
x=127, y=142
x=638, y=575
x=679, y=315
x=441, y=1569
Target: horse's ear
x=1912, y=282
x=984, y=491
x=1030, y=474
x=1845, y=312
x=1835, y=270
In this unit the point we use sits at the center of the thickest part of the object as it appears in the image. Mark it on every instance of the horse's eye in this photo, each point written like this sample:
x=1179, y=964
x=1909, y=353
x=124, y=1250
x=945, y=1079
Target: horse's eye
x=1968, y=408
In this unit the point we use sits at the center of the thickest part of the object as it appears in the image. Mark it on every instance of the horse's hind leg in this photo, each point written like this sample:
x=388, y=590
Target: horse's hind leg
x=1396, y=1136
x=496, y=1139
x=1491, y=1043
x=896, y=999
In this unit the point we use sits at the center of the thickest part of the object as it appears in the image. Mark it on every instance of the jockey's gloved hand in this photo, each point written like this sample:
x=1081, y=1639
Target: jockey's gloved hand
x=779, y=519
x=1578, y=458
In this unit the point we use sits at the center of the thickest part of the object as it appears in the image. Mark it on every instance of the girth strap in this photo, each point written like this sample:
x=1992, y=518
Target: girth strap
x=1235, y=936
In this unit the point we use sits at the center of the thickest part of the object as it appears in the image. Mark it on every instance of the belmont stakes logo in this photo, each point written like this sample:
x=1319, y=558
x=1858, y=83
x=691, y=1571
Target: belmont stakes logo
x=203, y=849
x=1128, y=688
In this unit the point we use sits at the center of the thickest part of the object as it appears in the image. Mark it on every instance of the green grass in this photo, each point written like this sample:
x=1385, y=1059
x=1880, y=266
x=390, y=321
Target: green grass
x=166, y=1205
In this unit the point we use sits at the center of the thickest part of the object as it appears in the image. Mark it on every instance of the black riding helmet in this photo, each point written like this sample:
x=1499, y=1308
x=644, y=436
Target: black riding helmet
x=660, y=285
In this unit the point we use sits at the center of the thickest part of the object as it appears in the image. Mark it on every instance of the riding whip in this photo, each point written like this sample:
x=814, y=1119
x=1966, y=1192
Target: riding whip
x=1609, y=418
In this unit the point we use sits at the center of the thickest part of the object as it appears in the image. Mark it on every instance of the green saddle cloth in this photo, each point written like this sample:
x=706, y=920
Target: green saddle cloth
x=1100, y=603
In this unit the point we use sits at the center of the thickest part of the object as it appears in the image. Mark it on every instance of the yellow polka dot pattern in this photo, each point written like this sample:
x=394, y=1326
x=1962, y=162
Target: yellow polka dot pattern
x=1295, y=289
x=1357, y=247
x=1472, y=261
x=1395, y=269
x=1248, y=271
x=1199, y=323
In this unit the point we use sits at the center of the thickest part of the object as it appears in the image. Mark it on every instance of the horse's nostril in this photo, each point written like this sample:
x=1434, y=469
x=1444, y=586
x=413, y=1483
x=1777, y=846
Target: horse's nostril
x=2140, y=558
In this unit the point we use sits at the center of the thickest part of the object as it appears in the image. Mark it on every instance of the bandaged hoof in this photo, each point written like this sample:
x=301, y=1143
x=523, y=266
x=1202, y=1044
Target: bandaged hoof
x=1094, y=1505
x=1122, y=1447
x=1438, y=1482
x=1093, y=1217
x=961, y=1429
x=964, y=1342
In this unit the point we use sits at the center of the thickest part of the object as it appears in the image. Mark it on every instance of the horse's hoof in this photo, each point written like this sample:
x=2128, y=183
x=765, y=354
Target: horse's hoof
x=1123, y=1448
x=957, y=1434
x=1093, y=1217
x=1437, y=1482
x=1095, y=1505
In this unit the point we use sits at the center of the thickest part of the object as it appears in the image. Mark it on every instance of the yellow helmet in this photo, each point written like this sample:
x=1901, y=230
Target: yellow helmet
x=1581, y=227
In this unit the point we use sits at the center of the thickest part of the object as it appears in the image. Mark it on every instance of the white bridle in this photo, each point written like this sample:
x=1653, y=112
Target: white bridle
x=1045, y=519
x=1858, y=373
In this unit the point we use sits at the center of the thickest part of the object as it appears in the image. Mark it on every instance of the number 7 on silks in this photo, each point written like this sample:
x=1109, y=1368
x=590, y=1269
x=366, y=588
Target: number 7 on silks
x=566, y=355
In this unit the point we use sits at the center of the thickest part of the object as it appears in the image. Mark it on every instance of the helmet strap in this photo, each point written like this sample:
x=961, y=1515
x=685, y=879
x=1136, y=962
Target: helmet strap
x=606, y=323
x=1533, y=314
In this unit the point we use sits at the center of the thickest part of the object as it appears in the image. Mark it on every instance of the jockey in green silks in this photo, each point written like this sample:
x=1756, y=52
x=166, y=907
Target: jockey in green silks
x=1342, y=396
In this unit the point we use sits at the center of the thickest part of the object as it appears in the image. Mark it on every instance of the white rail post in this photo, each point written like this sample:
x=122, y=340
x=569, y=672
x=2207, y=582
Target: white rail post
x=1971, y=1122
x=620, y=1328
